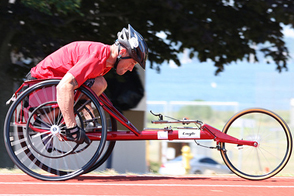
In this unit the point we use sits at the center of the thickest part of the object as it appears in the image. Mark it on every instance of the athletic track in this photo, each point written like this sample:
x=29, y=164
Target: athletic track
x=24, y=185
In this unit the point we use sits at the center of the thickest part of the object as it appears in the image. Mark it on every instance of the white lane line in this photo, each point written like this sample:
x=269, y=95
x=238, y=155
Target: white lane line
x=155, y=185
x=54, y=195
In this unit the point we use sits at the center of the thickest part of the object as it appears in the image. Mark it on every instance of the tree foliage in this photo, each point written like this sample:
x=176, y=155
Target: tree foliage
x=62, y=7
x=222, y=31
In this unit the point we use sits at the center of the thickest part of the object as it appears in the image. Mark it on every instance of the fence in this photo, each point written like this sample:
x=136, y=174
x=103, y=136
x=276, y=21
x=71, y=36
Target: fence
x=210, y=112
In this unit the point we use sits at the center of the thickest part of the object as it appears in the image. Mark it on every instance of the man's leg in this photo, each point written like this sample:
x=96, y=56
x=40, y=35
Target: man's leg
x=99, y=85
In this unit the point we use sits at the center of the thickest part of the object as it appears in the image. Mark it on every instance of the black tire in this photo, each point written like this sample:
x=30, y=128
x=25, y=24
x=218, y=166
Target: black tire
x=274, y=144
x=109, y=145
x=28, y=124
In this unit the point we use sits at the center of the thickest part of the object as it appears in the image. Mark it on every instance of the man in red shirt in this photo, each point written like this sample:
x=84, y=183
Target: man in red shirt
x=86, y=62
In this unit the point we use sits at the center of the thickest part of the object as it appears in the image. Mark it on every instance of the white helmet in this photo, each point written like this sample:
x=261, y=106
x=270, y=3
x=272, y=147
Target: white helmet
x=134, y=43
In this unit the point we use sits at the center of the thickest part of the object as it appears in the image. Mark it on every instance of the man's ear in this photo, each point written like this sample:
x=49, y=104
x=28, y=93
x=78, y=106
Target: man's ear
x=123, y=51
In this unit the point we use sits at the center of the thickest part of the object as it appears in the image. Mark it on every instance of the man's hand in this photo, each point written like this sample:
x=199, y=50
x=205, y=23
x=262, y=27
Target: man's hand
x=77, y=135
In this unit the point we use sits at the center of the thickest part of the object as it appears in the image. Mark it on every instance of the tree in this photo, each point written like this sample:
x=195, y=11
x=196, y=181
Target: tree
x=222, y=31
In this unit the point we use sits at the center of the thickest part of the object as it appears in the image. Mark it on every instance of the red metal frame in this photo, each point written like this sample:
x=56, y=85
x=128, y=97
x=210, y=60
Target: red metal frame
x=110, y=109
x=206, y=132
x=203, y=132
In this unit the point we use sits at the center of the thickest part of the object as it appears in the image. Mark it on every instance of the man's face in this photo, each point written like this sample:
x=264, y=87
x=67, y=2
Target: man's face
x=125, y=65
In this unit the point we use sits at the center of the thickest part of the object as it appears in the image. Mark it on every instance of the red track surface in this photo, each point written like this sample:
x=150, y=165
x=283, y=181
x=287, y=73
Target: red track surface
x=20, y=184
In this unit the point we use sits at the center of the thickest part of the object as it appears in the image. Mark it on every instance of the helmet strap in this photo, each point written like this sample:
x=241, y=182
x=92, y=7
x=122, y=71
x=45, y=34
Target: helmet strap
x=118, y=58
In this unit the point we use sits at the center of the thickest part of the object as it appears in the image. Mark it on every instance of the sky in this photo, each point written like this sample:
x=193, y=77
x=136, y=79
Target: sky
x=258, y=81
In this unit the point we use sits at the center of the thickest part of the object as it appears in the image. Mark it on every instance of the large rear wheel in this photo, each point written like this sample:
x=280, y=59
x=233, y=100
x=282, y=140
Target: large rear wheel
x=35, y=138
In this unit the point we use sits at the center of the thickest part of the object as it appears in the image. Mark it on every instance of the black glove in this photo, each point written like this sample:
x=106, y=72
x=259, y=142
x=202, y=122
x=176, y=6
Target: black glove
x=77, y=135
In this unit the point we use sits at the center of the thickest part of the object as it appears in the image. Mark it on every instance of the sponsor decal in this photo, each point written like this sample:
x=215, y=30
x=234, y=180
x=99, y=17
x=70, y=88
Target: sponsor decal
x=162, y=135
x=189, y=133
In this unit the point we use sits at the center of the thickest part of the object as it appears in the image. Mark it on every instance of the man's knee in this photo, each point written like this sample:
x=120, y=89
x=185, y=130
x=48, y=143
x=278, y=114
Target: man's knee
x=101, y=82
x=100, y=85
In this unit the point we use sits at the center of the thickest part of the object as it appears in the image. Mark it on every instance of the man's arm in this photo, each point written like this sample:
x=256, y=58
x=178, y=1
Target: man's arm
x=65, y=98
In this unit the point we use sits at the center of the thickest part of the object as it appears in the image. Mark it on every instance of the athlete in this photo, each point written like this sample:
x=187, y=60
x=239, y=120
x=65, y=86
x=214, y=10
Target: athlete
x=85, y=62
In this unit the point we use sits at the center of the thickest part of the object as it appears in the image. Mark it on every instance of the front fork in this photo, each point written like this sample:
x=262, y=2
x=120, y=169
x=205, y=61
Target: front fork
x=221, y=137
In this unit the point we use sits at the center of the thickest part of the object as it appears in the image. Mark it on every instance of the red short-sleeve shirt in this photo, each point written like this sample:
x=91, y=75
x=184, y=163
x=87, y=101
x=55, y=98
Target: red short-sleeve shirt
x=83, y=59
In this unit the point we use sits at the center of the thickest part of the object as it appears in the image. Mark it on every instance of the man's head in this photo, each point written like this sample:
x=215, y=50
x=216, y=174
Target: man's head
x=126, y=63
x=132, y=48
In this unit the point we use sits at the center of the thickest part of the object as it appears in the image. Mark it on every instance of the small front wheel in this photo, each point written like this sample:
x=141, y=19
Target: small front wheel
x=274, y=144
